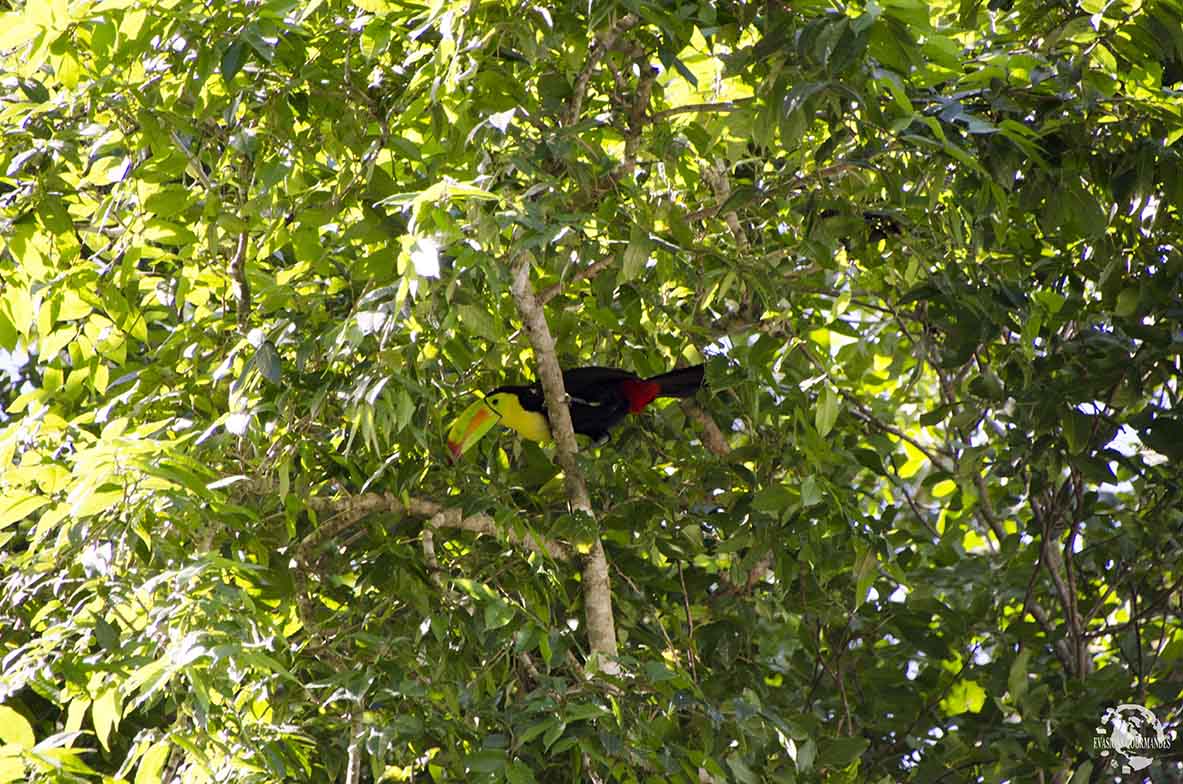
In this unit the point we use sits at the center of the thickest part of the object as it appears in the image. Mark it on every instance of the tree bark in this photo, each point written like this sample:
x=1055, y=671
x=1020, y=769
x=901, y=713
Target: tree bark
x=597, y=586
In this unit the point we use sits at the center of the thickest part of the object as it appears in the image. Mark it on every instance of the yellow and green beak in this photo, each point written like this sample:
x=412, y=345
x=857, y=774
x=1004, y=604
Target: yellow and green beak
x=470, y=427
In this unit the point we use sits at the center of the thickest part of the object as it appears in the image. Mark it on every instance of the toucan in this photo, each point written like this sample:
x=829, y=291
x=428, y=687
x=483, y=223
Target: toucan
x=600, y=397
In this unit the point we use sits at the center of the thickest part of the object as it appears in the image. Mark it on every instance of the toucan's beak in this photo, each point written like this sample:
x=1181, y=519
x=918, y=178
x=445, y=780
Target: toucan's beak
x=470, y=426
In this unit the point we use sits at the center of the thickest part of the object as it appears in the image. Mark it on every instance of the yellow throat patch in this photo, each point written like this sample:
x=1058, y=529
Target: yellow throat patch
x=528, y=424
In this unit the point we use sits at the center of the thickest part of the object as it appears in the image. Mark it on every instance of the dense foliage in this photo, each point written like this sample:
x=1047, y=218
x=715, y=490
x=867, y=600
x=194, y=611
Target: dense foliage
x=257, y=254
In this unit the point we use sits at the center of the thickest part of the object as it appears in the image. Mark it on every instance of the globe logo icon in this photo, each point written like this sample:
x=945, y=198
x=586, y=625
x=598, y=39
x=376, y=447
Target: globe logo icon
x=1132, y=734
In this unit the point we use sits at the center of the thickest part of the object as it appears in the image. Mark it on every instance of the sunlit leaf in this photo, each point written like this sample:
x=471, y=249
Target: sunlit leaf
x=104, y=713
x=152, y=763
x=16, y=729
x=965, y=696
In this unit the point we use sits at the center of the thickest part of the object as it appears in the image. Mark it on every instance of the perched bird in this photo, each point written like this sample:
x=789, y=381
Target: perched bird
x=600, y=398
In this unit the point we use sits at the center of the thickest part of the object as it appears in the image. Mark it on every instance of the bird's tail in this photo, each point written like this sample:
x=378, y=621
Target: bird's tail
x=683, y=382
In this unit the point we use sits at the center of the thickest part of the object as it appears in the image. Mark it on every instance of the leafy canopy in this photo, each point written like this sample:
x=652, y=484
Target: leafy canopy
x=256, y=255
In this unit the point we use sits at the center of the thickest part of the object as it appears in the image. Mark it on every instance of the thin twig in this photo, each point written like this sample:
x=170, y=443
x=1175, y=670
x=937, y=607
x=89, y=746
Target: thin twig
x=903, y=488
x=242, y=286
x=716, y=177
x=931, y=452
x=587, y=273
x=636, y=120
x=722, y=106
x=986, y=513
x=427, y=537
x=604, y=42
x=689, y=625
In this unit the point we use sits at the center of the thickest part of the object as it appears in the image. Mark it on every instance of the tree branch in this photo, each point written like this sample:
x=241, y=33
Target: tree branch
x=356, y=740
x=860, y=411
x=604, y=41
x=724, y=106
x=484, y=524
x=347, y=511
x=551, y=375
x=587, y=273
x=242, y=287
x=427, y=540
x=237, y=266
x=597, y=596
x=986, y=514
x=716, y=177
x=712, y=436
x=636, y=119
x=716, y=444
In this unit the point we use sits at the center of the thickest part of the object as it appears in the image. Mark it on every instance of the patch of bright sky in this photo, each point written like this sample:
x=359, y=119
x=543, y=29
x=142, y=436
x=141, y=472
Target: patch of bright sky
x=1125, y=441
x=11, y=363
x=705, y=63
x=425, y=258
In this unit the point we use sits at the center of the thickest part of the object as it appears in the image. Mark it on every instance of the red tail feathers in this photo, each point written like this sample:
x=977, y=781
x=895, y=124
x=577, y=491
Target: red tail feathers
x=683, y=382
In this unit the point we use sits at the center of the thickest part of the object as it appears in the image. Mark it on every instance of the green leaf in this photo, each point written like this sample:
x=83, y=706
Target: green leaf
x=12, y=768
x=1083, y=773
x=16, y=729
x=811, y=491
x=374, y=6
x=18, y=303
x=169, y=201
x=486, y=761
x=668, y=59
x=741, y=770
x=97, y=501
x=635, y=255
x=658, y=672
x=772, y=500
x=167, y=233
x=537, y=728
x=267, y=360
x=519, y=773
x=869, y=458
x=840, y=752
x=109, y=170
x=152, y=763
x=1165, y=435
x=8, y=330
x=20, y=506
x=827, y=412
x=966, y=696
x=104, y=713
x=478, y=320
x=1077, y=429
x=584, y=711
x=497, y=614
x=1016, y=680
x=1127, y=301
x=553, y=734
x=107, y=635
x=866, y=569
x=232, y=60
